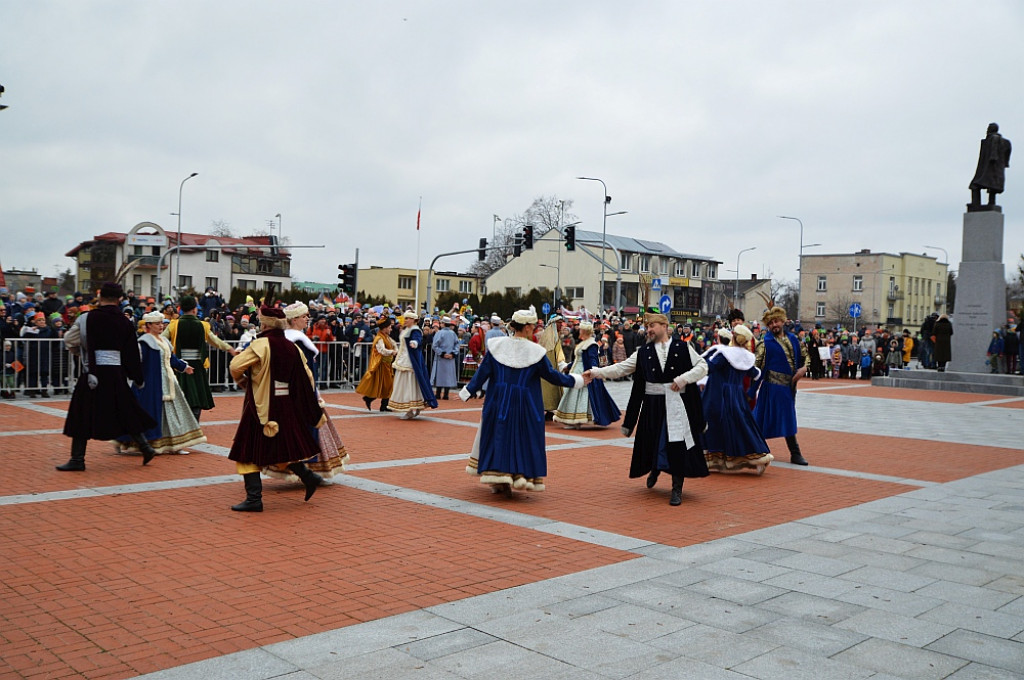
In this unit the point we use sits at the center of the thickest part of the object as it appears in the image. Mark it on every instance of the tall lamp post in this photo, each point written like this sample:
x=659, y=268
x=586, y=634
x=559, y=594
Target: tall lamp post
x=604, y=236
x=177, y=255
x=736, y=289
x=800, y=266
x=944, y=253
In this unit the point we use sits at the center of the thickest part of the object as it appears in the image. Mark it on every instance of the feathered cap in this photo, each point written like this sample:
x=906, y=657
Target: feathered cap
x=773, y=313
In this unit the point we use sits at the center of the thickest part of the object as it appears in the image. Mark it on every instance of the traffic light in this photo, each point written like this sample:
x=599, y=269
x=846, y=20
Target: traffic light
x=570, y=238
x=481, y=254
x=528, y=237
x=347, y=276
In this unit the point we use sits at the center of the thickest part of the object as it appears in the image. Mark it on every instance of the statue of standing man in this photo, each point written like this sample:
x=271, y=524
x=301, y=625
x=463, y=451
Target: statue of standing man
x=991, y=174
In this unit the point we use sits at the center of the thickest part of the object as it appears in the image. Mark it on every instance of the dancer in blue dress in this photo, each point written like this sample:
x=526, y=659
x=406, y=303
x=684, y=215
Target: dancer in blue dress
x=412, y=392
x=591, y=405
x=508, y=452
x=732, y=441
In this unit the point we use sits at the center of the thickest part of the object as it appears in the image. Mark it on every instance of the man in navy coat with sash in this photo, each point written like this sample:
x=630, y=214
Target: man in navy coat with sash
x=783, y=361
x=103, y=406
x=664, y=407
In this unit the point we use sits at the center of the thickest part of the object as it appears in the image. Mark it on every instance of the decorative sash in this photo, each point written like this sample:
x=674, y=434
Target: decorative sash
x=675, y=414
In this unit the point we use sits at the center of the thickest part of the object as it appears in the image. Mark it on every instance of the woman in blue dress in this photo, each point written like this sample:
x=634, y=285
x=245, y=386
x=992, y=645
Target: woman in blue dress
x=591, y=405
x=732, y=441
x=508, y=452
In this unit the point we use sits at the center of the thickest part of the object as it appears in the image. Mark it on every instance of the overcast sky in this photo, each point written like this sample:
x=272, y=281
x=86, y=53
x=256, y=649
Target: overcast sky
x=705, y=119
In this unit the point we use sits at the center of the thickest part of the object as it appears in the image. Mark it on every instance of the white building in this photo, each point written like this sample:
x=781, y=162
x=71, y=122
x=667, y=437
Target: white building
x=141, y=261
x=634, y=269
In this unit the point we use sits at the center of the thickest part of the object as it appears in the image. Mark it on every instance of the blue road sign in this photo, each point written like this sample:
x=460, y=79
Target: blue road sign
x=855, y=310
x=655, y=284
x=546, y=308
x=665, y=304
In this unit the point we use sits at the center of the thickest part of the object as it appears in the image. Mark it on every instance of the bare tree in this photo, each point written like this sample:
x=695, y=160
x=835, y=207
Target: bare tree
x=837, y=310
x=221, y=228
x=544, y=214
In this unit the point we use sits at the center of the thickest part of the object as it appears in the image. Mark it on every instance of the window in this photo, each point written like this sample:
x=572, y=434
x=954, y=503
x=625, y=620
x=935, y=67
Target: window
x=264, y=266
x=154, y=284
x=136, y=250
x=211, y=282
x=938, y=289
x=892, y=286
x=680, y=269
x=929, y=287
x=465, y=286
x=822, y=282
x=645, y=262
x=712, y=271
x=695, y=270
x=664, y=262
x=247, y=284
x=819, y=309
x=892, y=310
x=137, y=283
x=514, y=291
x=444, y=285
x=858, y=283
x=213, y=256
x=156, y=251
x=574, y=292
x=627, y=262
x=405, y=282
x=184, y=282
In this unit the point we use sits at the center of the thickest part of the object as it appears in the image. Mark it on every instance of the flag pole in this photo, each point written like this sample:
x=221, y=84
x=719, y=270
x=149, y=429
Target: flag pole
x=416, y=297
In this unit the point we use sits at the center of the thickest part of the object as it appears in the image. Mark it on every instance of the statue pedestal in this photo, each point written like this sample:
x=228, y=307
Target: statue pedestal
x=980, y=291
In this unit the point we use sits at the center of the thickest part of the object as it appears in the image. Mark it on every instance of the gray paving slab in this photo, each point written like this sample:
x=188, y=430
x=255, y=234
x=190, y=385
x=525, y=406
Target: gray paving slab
x=873, y=597
x=975, y=596
x=905, y=630
x=808, y=636
x=886, y=578
x=384, y=664
x=903, y=661
x=794, y=664
x=633, y=622
x=714, y=646
x=811, y=584
x=826, y=610
x=978, y=620
x=977, y=671
x=985, y=649
x=488, y=661
x=826, y=566
x=736, y=590
x=446, y=643
x=252, y=664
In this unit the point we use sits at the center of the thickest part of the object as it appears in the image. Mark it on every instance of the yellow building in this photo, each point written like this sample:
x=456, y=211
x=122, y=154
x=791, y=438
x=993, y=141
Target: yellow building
x=898, y=291
x=398, y=284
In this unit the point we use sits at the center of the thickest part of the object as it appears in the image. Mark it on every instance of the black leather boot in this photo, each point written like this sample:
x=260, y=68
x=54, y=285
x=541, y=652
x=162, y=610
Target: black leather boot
x=384, y=405
x=368, y=402
x=253, y=494
x=652, y=478
x=794, y=452
x=147, y=451
x=445, y=397
x=309, y=478
x=77, y=462
x=437, y=393
x=677, y=490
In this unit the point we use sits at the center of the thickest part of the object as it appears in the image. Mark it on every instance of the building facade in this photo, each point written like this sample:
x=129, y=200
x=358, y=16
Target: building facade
x=892, y=290
x=398, y=285
x=636, y=273
x=141, y=260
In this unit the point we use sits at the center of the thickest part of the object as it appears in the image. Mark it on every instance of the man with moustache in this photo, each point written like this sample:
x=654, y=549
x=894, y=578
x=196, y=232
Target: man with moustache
x=783, y=361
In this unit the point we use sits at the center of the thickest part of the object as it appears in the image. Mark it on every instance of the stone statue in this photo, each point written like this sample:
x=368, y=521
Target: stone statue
x=992, y=163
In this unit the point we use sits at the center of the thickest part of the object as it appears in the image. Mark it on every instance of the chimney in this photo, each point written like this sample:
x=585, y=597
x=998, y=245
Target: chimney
x=753, y=277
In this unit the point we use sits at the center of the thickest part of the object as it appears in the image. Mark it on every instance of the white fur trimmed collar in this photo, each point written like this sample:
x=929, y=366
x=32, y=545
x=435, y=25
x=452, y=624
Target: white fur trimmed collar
x=153, y=341
x=582, y=347
x=300, y=338
x=739, y=358
x=515, y=352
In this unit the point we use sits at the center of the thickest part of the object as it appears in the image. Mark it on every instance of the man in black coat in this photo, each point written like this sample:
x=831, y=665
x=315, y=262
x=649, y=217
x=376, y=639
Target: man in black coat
x=664, y=407
x=103, y=405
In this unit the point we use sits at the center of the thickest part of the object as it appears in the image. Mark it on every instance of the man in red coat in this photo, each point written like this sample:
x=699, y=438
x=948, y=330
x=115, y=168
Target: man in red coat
x=103, y=405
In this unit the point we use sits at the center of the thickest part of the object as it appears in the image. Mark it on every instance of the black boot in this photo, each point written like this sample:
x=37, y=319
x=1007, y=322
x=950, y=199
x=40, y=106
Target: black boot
x=77, y=462
x=677, y=490
x=197, y=412
x=253, y=494
x=368, y=402
x=445, y=397
x=147, y=450
x=308, y=477
x=437, y=393
x=384, y=405
x=794, y=452
x=652, y=478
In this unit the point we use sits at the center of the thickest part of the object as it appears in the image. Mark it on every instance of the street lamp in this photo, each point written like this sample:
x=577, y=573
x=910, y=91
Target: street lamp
x=604, y=236
x=736, y=290
x=944, y=253
x=177, y=256
x=279, y=232
x=494, y=230
x=799, y=269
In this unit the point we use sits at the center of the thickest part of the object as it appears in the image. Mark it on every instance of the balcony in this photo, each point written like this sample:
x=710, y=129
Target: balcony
x=144, y=260
x=940, y=300
x=894, y=295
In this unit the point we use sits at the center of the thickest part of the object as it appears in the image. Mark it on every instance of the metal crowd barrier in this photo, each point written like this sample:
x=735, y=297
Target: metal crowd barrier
x=43, y=367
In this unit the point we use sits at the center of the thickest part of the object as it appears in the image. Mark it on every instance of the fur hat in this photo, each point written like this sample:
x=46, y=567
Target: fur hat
x=271, y=312
x=654, y=317
x=773, y=314
x=525, y=316
x=410, y=314
x=295, y=310
x=153, y=317
x=111, y=290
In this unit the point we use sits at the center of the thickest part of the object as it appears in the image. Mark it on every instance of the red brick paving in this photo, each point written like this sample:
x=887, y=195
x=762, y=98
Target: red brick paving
x=113, y=586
